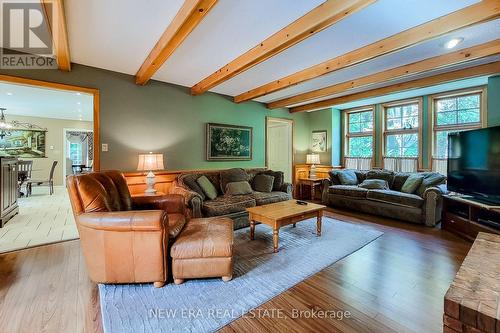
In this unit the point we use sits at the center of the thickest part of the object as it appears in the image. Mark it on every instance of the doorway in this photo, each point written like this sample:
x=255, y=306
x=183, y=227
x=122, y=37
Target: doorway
x=78, y=151
x=279, y=146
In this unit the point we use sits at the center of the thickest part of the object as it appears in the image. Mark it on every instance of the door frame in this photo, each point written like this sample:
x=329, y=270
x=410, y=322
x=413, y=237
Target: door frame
x=283, y=120
x=67, y=87
x=65, y=148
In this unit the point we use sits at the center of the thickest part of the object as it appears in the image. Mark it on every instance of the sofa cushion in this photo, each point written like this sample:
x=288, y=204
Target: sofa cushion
x=263, y=183
x=228, y=204
x=207, y=187
x=430, y=179
x=238, y=188
x=190, y=181
x=347, y=177
x=394, y=197
x=399, y=180
x=374, y=184
x=412, y=183
x=348, y=191
x=381, y=174
x=262, y=198
x=279, y=178
x=230, y=176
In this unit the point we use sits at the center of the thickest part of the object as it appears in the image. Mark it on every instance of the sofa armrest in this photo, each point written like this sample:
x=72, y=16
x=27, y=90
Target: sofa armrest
x=191, y=199
x=144, y=220
x=325, y=184
x=433, y=205
x=171, y=203
x=287, y=188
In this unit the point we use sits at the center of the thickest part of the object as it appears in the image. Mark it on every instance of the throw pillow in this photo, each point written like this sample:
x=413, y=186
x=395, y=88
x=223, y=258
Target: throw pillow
x=431, y=179
x=412, y=183
x=374, y=184
x=207, y=187
x=263, y=183
x=231, y=176
x=347, y=177
x=190, y=182
x=238, y=188
x=381, y=174
x=279, y=178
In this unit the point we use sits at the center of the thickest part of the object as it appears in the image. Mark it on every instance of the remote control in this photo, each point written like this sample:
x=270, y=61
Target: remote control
x=299, y=202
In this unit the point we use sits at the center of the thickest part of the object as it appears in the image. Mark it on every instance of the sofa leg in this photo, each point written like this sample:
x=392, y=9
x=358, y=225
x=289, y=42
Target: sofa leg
x=159, y=284
x=178, y=281
x=227, y=278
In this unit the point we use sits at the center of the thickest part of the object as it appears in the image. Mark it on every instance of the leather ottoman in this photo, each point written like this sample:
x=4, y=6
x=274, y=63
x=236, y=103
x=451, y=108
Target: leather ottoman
x=203, y=249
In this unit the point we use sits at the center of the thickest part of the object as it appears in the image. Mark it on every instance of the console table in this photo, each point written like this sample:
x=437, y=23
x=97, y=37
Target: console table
x=471, y=304
x=467, y=218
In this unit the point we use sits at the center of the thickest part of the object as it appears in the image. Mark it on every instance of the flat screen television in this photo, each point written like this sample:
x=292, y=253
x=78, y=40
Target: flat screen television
x=474, y=164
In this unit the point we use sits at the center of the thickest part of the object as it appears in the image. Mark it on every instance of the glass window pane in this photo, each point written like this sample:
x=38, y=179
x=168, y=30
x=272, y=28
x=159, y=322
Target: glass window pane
x=446, y=118
x=410, y=110
x=468, y=102
x=402, y=145
x=367, y=127
x=446, y=104
x=393, y=112
x=394, y=124
x=361, y=146
x=441, y=144
x=355, y=128
x=354, y=117
x=366, y=116
x=469, y=116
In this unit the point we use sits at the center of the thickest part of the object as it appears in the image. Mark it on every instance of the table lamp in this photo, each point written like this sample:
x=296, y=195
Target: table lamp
x=150, y=162
x=312, y=159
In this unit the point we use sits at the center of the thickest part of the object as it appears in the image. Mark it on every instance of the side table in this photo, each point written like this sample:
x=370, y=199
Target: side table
x=312, y=183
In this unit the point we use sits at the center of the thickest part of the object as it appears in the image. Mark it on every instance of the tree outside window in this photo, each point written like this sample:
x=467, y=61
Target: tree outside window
x=359, y=128
x=401, y=130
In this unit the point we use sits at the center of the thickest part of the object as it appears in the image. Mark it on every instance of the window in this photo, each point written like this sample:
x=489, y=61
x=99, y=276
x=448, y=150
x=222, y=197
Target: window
x=75, y=153
x=454, y=113
x=359, y=133
x=401, y=134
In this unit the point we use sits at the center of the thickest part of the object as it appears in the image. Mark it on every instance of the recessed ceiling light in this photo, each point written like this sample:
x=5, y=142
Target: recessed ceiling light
x=453, y=42
x=78, y=94
x=9, y=94
x=79, y=103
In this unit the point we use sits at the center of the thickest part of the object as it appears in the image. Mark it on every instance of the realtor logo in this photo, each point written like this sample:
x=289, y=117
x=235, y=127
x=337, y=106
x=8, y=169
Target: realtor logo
x=26, y=38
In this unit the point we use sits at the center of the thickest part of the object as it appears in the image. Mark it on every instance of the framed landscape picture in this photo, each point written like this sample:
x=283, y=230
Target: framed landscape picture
x=24, y=143
x=319, y=141
x=228, y=142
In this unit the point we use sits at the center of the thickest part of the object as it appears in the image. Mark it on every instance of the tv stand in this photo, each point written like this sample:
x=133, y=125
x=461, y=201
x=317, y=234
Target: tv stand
x=467, y=217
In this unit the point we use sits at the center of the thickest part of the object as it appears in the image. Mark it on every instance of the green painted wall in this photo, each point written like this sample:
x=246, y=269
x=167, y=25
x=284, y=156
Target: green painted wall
x=319, y=121
x=494, y=101
x=336, y=137
x=165, y=118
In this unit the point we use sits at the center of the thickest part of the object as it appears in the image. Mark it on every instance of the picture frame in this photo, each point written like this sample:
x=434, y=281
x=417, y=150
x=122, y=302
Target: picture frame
x=24, y=143
x=319, y=142
x=228, y=142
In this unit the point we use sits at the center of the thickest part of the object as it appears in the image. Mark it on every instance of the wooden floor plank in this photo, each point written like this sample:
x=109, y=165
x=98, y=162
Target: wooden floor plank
x=394, y=284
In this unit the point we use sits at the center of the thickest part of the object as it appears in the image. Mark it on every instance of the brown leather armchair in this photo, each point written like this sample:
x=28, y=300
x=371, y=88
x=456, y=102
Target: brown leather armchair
x=124, y=239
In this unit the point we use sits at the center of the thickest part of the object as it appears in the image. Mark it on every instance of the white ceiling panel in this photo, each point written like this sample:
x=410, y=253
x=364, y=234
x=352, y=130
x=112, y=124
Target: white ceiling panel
x=116, y=34
x=229, y=30
x=31, y=101
x=380, y=20
x=474, y=35
x=408, y=78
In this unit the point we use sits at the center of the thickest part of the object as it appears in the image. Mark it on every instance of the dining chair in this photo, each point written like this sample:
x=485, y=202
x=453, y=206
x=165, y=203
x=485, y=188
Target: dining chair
x=43, y=182
x=24, y=169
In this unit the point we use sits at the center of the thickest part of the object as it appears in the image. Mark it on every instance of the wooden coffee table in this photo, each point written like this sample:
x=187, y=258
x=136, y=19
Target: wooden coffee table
x=279, y=214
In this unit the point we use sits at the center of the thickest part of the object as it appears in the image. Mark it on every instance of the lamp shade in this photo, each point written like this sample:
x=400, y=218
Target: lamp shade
x=150, y=162
x=312, y=159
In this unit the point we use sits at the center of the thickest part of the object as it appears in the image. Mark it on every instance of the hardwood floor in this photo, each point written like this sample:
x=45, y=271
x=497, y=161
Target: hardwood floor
x=394, y=284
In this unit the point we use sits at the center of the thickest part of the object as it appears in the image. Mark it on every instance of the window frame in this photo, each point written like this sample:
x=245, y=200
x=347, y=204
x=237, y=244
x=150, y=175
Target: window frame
x=348, y=135
x=419, y=130
x=435, y=128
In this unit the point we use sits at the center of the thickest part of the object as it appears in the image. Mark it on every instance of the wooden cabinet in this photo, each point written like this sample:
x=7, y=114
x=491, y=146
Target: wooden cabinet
x=467, y=218
x=8, y=189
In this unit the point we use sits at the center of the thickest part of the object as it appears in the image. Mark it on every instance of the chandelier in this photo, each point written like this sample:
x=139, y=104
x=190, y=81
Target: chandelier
x=6, y=128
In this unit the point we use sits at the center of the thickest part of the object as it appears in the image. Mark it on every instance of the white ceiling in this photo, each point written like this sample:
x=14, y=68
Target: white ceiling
x=118, y=35
x=31, y=101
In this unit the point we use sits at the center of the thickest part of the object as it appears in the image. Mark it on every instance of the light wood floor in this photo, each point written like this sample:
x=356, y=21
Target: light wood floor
x=394, y=284
x=42, y=219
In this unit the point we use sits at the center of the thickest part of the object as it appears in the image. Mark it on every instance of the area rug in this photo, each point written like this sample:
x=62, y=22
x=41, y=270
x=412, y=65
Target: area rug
x=259, y=275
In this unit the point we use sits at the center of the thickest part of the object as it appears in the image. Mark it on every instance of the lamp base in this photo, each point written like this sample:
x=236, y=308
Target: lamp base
x=312, y=172
x=150, y=182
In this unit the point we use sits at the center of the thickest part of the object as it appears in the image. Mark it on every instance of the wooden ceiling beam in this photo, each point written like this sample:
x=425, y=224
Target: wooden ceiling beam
x=188, y=17
x=475, y=71
x=56, y=18
x=449, y=59
x=480, y=12
x=318, y=19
